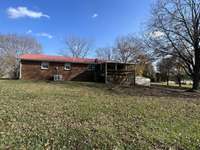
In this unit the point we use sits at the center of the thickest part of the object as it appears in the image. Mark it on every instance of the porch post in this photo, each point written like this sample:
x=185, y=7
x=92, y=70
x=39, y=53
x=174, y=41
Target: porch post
x=126, y=67
x=134, y=76
x=115, y=66
x=106, y=73
x=20, y=70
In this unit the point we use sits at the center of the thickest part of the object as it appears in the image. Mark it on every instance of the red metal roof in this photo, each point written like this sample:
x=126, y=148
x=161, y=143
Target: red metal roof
x=42, y=57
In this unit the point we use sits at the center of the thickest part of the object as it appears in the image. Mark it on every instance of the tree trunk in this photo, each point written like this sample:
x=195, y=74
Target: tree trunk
x=179, y=80
x=196, y=69
x=195, y=76
x=168, y=78
x=179, y=83
x=167, y=81
x=195, y=81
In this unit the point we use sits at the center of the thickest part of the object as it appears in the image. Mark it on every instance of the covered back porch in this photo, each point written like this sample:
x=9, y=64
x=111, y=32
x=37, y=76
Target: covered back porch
x=116, y=73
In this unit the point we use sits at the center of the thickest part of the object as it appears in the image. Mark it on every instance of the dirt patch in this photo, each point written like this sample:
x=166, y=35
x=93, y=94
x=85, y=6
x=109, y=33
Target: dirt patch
x=157, y=91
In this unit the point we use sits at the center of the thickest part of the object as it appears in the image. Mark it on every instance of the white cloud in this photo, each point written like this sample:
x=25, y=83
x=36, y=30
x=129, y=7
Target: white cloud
x=43, y=34
x=29, y=31
x=21, y=12
x=95, y=15
x=156, y=34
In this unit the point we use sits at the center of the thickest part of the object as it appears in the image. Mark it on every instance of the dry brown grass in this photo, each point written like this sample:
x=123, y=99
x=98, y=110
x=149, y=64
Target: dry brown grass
x=72, y=115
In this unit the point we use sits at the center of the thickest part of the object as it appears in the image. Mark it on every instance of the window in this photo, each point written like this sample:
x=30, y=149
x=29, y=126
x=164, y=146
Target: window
x=44, y=65
x=91, y=67
x=67, y=66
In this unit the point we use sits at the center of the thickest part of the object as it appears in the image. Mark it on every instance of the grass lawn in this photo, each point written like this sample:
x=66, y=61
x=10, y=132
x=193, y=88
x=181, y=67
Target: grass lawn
x=72, y=115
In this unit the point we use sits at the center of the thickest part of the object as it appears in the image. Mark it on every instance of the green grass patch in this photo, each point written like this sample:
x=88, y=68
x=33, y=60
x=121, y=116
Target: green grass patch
x=73, y=115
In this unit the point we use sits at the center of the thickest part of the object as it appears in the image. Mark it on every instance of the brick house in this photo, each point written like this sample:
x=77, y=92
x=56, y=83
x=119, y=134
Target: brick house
x=45, y=67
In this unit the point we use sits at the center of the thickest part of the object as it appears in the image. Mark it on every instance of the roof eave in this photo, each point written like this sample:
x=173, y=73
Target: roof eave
x=59, y=61
x=116, y=62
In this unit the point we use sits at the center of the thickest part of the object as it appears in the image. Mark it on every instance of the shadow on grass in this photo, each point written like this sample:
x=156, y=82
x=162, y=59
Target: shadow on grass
x=160, y=91
x=152, y=91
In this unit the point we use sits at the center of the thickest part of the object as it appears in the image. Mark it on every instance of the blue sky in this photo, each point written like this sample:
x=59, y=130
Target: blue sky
x=50, y=21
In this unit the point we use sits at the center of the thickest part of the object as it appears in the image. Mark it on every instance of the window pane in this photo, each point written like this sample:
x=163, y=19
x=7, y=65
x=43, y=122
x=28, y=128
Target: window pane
x=44, y=65
x=67, y=66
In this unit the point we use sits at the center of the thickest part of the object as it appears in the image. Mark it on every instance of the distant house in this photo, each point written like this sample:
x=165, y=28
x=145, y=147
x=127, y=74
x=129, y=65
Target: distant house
x=45, y=67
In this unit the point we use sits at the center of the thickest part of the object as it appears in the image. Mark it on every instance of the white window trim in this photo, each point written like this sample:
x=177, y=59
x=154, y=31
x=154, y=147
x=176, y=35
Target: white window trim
x=67, y=69
x=43, y=68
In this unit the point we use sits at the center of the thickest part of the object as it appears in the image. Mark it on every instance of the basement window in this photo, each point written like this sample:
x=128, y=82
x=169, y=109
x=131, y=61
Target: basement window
x=67, y=66
x=44, y=65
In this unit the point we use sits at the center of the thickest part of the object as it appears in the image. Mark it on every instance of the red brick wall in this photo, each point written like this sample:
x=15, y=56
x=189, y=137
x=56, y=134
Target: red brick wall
x=31, y=70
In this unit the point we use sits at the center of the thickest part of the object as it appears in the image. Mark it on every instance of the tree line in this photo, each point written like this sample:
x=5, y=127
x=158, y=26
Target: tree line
x=11, y=47
x=171, y=38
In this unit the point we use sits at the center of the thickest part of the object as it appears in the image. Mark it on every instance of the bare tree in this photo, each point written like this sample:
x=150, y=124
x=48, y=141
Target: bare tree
x=175, y=31
x=104, y=53
x=178, y=71
x=165, y=68
x=76, y=46
x=127, y=49
x=11, y=46
x=144, y=65
x=170, y=67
